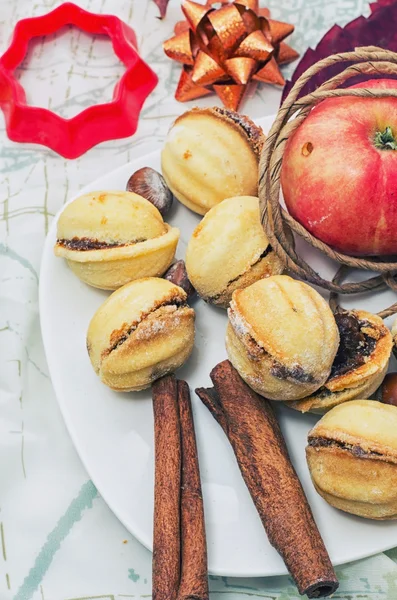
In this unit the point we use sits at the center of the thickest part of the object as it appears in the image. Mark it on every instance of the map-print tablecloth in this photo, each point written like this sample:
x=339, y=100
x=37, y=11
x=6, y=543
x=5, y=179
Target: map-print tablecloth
x=58, y=539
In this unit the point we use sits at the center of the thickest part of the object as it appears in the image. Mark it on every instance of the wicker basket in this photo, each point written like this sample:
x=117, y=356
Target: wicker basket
x=277, y=223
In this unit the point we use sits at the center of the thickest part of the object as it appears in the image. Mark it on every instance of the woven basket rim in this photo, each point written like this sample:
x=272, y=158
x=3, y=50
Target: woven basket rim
x=277, y=223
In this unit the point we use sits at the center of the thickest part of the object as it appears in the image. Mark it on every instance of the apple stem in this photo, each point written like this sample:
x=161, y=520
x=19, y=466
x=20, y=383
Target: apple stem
x=384, y=140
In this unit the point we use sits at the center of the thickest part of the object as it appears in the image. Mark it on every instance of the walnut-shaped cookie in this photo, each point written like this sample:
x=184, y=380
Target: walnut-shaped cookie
x=142, y=332
x=111, y=238
x=229, y=250
x=282, y=337
x=352, y=458
x=360, y=364
x=211, y=154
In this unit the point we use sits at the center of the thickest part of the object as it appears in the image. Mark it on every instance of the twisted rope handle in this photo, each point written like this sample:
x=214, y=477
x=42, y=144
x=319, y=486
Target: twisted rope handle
x=277, y=222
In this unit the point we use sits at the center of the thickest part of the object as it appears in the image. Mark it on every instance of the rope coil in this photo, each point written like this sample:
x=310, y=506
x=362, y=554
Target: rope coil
x=277, y=223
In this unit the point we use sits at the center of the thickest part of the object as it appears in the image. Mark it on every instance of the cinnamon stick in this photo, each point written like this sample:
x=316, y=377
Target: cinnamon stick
x=179, y=542
x=167, y=490
x=253, y=431
x=194, y=575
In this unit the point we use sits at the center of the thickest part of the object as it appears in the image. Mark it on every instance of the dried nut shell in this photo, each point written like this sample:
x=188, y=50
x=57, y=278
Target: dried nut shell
x=149, y=184
x=111, y=238
x=177, y=274
x=214, y=266
x=360, y=365
x=352, y=458
x=394, y=335
x=282, y=337
x=141, y=332
x=388, y=390
x=211, y=154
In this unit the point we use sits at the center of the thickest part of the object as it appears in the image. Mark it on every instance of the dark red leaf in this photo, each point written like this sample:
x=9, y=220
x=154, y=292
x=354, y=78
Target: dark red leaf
x=162, y=4
x=379, y=29
x=380, y=3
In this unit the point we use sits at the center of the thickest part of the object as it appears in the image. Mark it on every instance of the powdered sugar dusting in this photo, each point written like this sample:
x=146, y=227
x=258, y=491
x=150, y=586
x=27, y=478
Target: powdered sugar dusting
x=151, y=328
x=164, y=319
x=237, y=321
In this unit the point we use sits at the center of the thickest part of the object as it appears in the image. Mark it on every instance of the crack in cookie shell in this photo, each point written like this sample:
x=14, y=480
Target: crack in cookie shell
x=355, y=449
x=119, y=336
x=216, y=297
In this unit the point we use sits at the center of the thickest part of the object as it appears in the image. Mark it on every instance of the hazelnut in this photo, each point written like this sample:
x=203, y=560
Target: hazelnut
x=214, y=266
x=142, y=332
x=177, y=274
x=149, y=184
x=388, y=389
x=352, y=458
x=211, y=154
x=282, y=337
x=111, y=238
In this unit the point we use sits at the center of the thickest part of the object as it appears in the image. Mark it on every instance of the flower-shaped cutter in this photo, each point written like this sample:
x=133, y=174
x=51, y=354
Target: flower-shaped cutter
x=112, y=120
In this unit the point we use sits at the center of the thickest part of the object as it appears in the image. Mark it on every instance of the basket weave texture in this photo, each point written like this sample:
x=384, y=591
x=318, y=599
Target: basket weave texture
x=278, y=224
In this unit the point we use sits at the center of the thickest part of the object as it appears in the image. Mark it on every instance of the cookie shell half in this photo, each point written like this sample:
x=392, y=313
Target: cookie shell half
x=211, y=154
x=110, y=238
x=229, y=250
x=281, y=337
x=352, y=458
x=142, y=332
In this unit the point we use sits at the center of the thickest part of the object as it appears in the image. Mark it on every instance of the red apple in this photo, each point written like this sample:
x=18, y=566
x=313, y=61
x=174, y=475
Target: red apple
x=339, y=173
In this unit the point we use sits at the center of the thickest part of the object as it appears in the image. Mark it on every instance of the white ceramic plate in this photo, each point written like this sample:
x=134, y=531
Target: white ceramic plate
x=113, y=433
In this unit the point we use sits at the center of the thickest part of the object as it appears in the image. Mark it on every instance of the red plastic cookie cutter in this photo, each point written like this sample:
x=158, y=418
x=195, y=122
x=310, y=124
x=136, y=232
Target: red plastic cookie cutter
x=72, y=137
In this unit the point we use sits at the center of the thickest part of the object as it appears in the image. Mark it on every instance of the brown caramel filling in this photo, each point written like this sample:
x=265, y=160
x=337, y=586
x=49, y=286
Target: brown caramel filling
x=119, y=336
x=354, y=347
x=321, y=442
x=85, y=243
x=355, y=344
x=297, y=373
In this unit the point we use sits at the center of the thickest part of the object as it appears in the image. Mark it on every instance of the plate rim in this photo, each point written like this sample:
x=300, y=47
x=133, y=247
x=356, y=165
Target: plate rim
x=137, y=533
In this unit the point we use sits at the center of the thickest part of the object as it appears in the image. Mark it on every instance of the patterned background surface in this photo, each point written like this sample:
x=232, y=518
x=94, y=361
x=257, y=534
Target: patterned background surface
x=58, y=540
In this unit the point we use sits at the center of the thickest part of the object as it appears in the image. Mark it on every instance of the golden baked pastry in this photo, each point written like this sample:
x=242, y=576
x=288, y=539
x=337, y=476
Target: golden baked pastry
x=211, y=154
x=143, y=331
x=360, y=364
x=111, y=238
x=282, y=337
x=352, y=458
x=229, y=250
